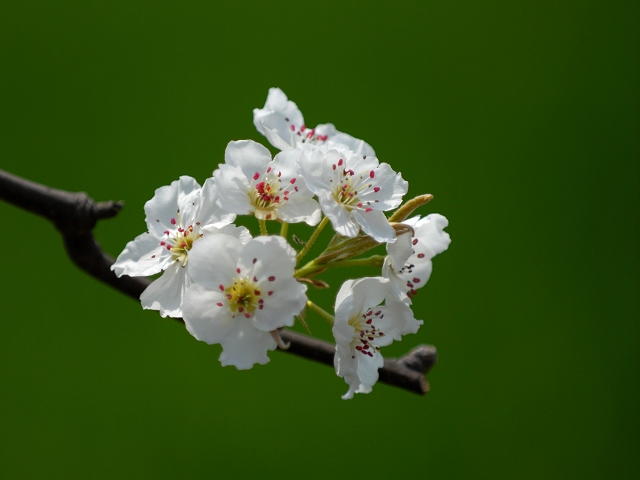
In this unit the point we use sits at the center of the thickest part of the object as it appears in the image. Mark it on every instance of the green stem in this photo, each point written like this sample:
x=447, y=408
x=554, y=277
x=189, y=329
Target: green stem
x=313, y=238
x=324, y=314
x=372, y=261
x=263, y=227
x=284, y=229
x=310, y=268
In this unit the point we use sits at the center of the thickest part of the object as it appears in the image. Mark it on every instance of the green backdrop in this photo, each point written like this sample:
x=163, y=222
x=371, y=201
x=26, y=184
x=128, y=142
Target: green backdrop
x=521, y=118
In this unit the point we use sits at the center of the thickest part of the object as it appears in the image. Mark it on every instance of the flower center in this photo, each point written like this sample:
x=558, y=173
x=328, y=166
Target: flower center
x=243, y=296
x=303, y=135
x=348, y=187
x=365, y=332
x=180, y=241
x=268, y=194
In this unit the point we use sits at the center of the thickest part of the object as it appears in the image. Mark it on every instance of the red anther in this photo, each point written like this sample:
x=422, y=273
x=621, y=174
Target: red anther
x=279, y=174
x=168, y=247
x=361, y=333
x=261, y=300
x=271, y=279
x=409, y=284
x=421, y=255
x=376, y=189
x=240, y=309
x=221, y=287
x=260, y=306
x=293, y=129
x=247, y=315
x=415, y=240
x=197, y=223
x=333, y=166
x=368, y=209
x=181, y=230
x=163, y=243
x=286, y=199
x=310, y=134
x=416, y=280
x=360, y=205
x=219, y=304
x=229, y=296
x=256, y=176
x=366, y=347
x=369, y=313
x=255, y=279
x=260, y=187
x=378, y=313
x=256, y=292
x=269, y=293
x=255, y=260
x=166, y=232
x=296, y=188
x=303, y=128
x=369, y=321
x=340, y=162
x=183, y=245
x=286, y=192
x=269, y=170
x=352, y=173
x=173, y=221
x=292, y=181
x=372, y=174
x=359, y=348
x=277, y=199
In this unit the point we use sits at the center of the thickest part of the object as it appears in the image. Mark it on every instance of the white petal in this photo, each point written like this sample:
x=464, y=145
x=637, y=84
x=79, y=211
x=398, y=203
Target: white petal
x=400, y=251
x=375, y=224
x=302, y=209
x=276, y=139
x=167, y=201
x=213, y=260
x=288, y=300
x=233, y=189
x=392, y=188
x=239, y=232
x=368, y=371
x=395, y=321
x=203, y=317
x=431, y=235
x=343, y=140
x=273, y=257
x=244, y=346
x=315, y=168
x=341, y=221
x=166, y=293
x=141, y=257
x=209, y=212
x=357, y=296
x=250, y=156
x=276, y=118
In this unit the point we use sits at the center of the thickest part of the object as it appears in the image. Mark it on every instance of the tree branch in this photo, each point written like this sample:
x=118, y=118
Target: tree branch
x=76, y=214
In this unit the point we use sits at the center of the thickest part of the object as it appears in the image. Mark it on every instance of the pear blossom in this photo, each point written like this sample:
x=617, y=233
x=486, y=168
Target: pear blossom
x=241, y=294
x=250, y=182
x=362, y=326
x=408, y=264
x=177, y=216
x=283, y=124
x=353, y=191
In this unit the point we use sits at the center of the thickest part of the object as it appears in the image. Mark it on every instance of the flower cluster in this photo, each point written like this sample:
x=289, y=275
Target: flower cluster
x=237, y=290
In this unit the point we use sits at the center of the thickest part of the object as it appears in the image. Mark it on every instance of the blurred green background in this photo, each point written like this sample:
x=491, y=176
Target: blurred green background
x=521, y=118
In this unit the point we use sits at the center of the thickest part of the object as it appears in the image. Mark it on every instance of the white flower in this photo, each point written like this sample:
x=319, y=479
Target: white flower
x=361, y=327
x=250, y=182
x=408, y=264
x=283, y=125
x=240, y=294
x=177, y=216
x=353, y=191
